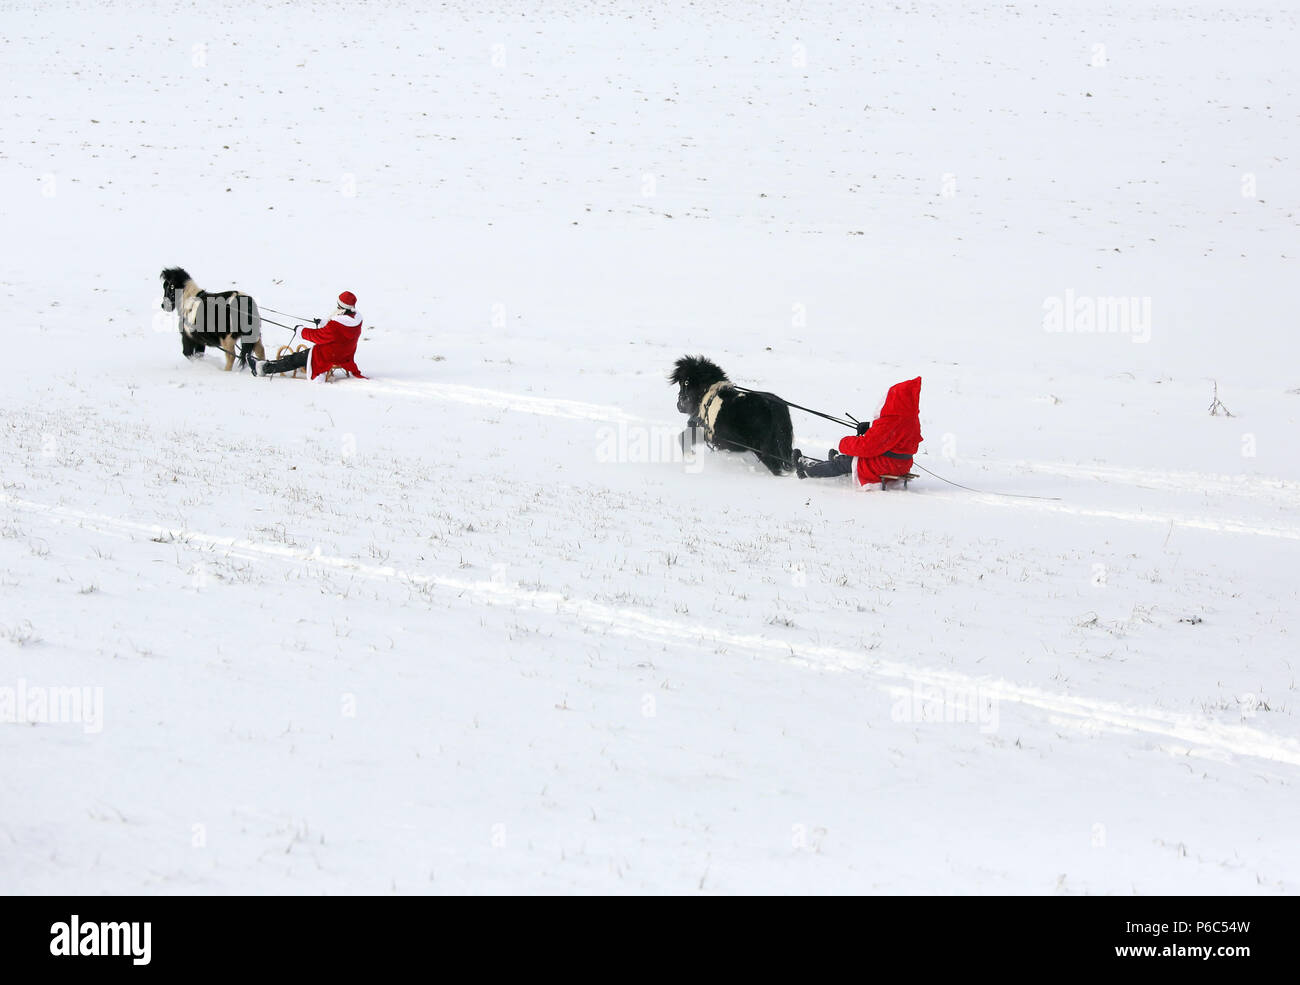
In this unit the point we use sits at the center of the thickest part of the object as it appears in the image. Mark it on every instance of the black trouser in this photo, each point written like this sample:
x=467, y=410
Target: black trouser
x=839, y=465
x=296, y=360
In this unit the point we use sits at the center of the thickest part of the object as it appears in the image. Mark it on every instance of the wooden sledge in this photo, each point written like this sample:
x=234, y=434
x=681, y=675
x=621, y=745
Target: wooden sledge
x=287, y=350
x=904, y=479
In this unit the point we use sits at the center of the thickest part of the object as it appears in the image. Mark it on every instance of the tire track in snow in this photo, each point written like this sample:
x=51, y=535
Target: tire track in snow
x=1088, y=714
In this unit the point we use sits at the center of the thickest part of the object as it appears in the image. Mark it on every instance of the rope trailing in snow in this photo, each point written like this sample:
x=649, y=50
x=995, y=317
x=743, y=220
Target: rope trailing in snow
x=1055, y=499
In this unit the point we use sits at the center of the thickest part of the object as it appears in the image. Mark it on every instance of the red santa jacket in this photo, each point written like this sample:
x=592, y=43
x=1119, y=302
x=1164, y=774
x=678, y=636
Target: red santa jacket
x=897, y=430
x=336, y=345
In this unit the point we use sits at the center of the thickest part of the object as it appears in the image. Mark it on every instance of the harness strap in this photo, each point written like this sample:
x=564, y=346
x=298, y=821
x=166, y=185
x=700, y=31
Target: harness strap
x=711, y=395
x=191, y=309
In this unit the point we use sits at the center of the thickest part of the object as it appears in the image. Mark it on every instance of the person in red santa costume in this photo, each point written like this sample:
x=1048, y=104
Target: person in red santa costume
x=883, y=447
x=335, y=345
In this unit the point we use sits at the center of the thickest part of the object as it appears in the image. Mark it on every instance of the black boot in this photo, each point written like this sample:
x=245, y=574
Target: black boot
x=799, y=469
x=838, y=465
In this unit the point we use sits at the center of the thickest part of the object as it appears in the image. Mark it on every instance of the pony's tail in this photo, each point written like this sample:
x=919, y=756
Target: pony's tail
x=250, y=320
x=785, y=436
x=780, y=459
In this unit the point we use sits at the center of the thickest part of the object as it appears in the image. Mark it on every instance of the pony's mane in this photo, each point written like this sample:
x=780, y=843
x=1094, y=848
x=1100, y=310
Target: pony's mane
x=697, y=370
x=174, y=277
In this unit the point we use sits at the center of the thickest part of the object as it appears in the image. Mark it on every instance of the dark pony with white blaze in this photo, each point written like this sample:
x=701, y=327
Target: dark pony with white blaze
x=730, y=418
x=222, y=319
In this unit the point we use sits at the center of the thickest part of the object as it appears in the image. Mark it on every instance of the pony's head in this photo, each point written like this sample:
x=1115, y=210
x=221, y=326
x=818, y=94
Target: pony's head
x=174, y=280
x=693, y=376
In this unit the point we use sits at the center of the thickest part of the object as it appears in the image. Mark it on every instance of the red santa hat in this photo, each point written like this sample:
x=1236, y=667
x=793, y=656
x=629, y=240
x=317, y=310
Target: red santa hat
x=348, y=300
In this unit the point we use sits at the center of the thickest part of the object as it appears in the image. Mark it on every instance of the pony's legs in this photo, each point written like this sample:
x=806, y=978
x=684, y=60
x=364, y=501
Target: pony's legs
x=251, y=350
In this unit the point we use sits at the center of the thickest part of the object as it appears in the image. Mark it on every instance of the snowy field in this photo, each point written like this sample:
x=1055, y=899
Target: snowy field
x=463, y=627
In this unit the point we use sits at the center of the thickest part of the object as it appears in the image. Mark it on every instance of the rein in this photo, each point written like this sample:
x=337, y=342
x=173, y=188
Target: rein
x=288, y=315
x=806, y=410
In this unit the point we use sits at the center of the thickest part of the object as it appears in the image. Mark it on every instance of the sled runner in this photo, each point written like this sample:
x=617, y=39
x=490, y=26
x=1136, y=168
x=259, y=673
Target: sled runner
x=904, y=479
x=288, y=350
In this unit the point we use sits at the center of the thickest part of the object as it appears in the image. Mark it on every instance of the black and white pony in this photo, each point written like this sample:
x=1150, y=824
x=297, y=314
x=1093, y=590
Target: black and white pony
x=730, y=418
x=221, y=319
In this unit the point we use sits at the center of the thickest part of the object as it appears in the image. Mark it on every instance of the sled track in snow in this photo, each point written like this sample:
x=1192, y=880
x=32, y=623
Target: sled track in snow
x=524, y=403
x=1177, y=732
x=1280, y=491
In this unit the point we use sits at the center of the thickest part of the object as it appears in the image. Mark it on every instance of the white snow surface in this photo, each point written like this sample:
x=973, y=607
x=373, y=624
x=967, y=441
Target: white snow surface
x=461, y=628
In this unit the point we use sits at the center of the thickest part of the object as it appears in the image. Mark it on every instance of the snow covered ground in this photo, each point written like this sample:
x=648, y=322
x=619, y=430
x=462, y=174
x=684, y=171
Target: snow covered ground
x=462, y=627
